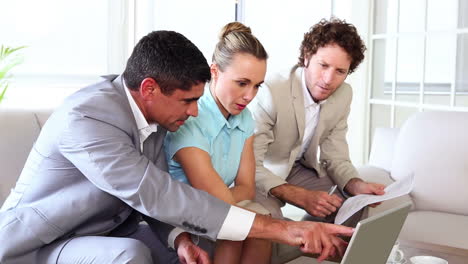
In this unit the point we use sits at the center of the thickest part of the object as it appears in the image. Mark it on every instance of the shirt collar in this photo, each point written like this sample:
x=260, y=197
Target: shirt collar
x=234, y=121
x=137, y=114
x=308, y=101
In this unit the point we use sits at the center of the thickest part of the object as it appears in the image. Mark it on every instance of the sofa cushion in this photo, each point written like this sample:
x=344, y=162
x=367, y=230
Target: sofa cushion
x=434, y=146
x=20, y=130
x=439, y=228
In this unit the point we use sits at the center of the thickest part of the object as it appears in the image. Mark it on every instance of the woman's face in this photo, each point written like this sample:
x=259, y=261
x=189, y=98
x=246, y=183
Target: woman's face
x=235, y=88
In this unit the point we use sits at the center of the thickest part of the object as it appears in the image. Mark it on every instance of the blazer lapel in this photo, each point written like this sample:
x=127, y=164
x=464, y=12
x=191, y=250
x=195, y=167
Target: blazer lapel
x=298, y=101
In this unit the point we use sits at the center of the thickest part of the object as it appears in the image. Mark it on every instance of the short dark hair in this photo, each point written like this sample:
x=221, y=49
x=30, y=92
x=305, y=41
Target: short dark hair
x=334, y=31
x=168, y=57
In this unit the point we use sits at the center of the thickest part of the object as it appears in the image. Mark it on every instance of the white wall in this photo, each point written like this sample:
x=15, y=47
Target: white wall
x=70, y=44
x=281, y=27
x=357, y=13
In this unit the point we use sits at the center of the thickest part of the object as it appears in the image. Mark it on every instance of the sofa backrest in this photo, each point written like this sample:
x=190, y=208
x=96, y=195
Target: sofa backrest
x=434, y=146
x=19, y=130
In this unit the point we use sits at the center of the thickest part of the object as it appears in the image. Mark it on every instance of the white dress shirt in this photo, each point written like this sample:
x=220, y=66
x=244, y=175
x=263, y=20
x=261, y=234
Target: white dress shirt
x=144, y=129
x=231, y=228
x=312, y=114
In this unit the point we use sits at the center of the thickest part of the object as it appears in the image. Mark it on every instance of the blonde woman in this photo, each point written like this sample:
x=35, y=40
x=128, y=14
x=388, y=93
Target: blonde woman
x=214, y=152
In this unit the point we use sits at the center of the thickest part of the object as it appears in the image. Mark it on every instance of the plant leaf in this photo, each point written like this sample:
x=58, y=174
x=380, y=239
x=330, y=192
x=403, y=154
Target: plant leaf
x=3, y=92
x=7, y=51
x=8, y=60
x=4, y=71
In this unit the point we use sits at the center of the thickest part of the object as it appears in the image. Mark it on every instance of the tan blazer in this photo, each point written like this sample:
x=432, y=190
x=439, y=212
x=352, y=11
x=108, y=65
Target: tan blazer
x=279, y=113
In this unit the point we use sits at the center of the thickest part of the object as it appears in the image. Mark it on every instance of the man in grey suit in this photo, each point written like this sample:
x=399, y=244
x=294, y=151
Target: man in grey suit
x=97, y=169
x=301, y=123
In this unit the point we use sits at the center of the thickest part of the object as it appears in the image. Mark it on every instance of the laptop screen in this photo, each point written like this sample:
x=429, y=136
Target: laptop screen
x=375, y=236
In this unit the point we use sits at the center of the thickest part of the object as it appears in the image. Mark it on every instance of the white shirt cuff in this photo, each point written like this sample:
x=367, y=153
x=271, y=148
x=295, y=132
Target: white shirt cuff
x=237, y=224
x=173, y=235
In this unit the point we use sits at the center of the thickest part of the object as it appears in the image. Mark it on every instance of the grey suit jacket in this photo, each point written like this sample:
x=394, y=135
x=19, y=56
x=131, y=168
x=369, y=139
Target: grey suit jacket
x=86, y=175
x=279, y=113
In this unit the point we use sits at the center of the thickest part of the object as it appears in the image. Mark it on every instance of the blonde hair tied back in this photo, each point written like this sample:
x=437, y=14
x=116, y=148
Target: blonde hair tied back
x=233, y=27
x=236, y=38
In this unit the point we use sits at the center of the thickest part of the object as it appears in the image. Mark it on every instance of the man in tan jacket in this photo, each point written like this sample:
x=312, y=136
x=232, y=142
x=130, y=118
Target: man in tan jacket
x=301, y=123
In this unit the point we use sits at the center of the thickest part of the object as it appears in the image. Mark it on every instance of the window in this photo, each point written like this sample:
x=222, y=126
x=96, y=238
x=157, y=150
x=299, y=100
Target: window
x=69, y=45
x=62, y=38
x=419, y=54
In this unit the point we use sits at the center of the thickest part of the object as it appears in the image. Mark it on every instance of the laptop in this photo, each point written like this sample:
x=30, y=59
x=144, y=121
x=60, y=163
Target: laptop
x=375, y=236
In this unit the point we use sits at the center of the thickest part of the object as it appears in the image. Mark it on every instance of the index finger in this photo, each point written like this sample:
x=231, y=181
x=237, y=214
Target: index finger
x=339, y=230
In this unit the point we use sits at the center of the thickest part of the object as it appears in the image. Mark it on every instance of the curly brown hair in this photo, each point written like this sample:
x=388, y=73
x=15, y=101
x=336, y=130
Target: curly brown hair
x=334, y=31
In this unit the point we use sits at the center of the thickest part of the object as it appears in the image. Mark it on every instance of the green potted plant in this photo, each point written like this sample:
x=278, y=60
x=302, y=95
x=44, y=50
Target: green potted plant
x=9, y=58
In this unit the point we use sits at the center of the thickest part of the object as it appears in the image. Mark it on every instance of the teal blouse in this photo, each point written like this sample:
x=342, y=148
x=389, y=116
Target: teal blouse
x=222, y=139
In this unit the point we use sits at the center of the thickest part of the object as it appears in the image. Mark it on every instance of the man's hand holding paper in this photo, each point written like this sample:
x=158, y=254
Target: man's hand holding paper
x=356, y=203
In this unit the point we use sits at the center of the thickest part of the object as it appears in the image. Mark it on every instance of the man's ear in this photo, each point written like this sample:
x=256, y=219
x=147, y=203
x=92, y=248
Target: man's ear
x=149, y=88
x=214, y=71
x=306, y=61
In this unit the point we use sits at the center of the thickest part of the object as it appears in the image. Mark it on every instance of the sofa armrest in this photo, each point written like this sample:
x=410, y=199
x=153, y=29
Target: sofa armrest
x=378, y=175
x=375, y=174
x=383, y=146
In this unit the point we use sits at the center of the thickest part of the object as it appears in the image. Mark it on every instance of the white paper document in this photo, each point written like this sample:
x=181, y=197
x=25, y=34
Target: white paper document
x=356, y=203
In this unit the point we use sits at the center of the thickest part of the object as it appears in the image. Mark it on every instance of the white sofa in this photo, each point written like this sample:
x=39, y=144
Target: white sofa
x=433, y=146
x=19, y=130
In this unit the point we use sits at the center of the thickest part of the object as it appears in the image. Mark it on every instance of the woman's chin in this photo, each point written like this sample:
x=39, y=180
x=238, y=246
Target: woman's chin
x=235, y=111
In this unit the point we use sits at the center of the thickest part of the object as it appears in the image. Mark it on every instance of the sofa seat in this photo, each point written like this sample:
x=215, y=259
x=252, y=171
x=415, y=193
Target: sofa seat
x=439, y=228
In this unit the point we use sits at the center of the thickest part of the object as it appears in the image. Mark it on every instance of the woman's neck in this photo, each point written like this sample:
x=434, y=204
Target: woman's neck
x=221, y=108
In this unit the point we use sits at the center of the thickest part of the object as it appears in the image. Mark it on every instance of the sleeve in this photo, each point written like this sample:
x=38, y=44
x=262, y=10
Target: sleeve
x=108, y=158
x=230, y=230
x=165, y=232
x=334, y=151
x=191, y=134
x=264, y=113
